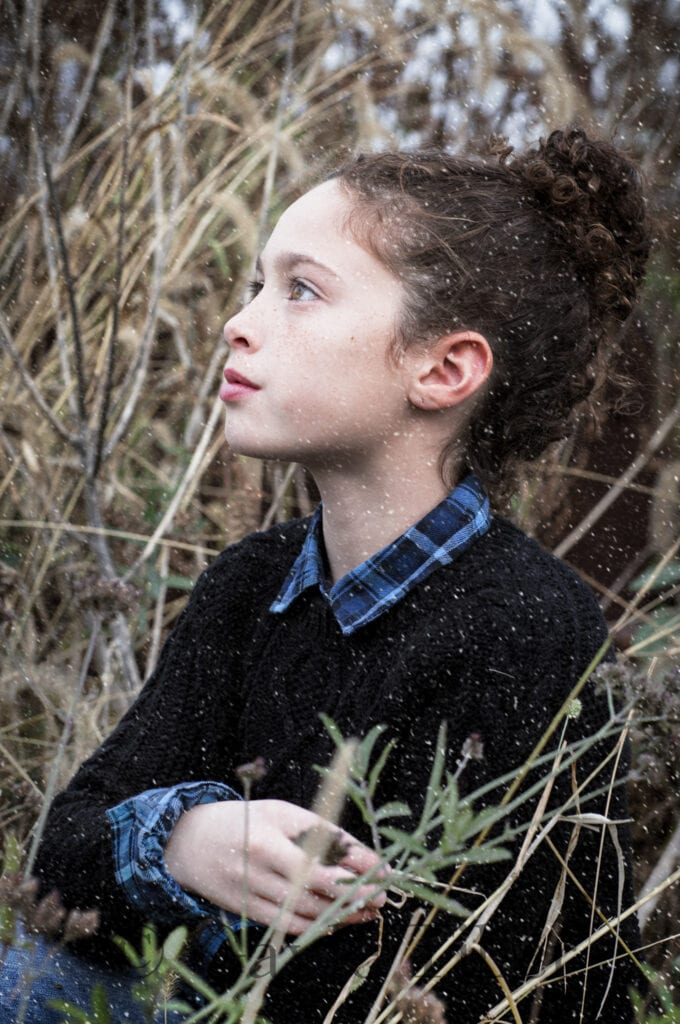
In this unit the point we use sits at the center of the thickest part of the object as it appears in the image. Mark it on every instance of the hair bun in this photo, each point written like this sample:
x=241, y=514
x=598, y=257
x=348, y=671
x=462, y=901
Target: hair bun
x=592, y=194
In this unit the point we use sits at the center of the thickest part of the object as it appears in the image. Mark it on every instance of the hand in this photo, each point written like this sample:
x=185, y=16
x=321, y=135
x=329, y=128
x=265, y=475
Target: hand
x=208, y=853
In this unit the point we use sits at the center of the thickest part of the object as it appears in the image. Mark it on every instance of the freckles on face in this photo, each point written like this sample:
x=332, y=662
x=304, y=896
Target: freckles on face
x=317, y=337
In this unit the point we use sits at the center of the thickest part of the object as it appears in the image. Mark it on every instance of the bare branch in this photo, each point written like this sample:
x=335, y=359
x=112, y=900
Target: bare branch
x=660, y=435
x=101, y=43
x=7, y=343
x=59, y=228
x=122, y=210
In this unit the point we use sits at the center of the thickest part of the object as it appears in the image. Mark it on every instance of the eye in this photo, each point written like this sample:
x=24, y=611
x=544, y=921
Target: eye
x=298, y=291
x=252, y=289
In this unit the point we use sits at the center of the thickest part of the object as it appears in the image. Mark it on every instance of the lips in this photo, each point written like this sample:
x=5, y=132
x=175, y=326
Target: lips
x=236, y=385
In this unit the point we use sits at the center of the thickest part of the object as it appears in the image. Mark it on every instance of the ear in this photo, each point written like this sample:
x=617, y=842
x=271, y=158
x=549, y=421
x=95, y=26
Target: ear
x=451, y=370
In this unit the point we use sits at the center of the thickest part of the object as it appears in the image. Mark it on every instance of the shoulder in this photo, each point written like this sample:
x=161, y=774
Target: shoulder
x=524, y=576
x=257, y=564
x=508, y=599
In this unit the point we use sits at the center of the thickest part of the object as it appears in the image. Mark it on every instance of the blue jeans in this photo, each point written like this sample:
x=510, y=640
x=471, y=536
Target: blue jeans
x=31, y=977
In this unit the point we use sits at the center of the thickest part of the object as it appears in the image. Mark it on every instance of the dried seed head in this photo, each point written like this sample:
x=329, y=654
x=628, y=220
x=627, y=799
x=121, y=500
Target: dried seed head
x=334, y=846
x=420, y=1007
x=47, y=917
x=574, y=708
x=415, y=1005
x=253, y=771
x=473, y=748
x=81, y=924
x=18, y=893
x=105, y=595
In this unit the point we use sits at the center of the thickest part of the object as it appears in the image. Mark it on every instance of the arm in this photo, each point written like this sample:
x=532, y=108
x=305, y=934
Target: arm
x=168, y=736
x=106, y=834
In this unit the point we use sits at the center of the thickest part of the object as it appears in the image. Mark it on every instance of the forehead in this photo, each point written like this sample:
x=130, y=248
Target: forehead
x=317, y=224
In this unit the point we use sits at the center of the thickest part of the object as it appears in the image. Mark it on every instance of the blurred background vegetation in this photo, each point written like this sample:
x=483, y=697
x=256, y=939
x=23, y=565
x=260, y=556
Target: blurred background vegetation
x=145, y=147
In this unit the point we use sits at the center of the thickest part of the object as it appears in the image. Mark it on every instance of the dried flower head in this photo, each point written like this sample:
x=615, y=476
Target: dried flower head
x=333, y=846
x=252, y=771
x=473, y=748
x=105, y=595
x=18, y=893
x=415, y=1005
x=575, y=708
x=47, y=916
x=81, y=924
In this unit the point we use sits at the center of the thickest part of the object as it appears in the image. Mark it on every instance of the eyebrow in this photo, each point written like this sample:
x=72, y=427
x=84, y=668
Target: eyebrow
x=286, y=261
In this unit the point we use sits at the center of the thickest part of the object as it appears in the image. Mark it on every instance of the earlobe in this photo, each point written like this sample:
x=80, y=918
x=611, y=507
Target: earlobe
x=452, y=370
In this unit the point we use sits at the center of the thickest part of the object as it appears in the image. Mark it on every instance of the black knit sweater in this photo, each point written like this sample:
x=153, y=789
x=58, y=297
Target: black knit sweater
x=493, y=643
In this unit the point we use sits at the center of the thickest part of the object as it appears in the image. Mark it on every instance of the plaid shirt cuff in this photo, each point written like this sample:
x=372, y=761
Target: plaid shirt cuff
x=141, y=827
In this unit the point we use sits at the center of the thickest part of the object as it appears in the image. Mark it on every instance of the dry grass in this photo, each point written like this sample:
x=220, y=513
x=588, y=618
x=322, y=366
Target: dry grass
x=122, y=252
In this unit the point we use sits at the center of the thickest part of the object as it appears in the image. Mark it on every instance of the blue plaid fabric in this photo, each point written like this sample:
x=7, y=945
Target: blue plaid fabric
x=381, y=581
x=141, y=827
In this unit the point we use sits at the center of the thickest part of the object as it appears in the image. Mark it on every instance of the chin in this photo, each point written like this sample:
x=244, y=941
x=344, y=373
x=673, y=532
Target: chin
x=259, y=449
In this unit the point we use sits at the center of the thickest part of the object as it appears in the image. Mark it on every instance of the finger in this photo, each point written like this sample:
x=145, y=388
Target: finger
x=306, y=903
x=358, y=858
x=267, y=913
x=337, y=883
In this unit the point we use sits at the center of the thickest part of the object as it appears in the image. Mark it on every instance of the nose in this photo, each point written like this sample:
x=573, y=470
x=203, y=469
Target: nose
x=239, y=331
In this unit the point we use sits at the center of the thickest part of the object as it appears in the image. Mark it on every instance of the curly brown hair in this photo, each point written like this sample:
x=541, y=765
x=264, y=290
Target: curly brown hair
x=542, y=252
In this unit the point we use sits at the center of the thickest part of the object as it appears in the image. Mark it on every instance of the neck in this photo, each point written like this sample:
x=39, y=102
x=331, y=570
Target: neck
x=365, y=511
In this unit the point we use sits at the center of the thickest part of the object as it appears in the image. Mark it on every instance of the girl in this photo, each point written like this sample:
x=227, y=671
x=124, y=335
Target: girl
x=418, y=323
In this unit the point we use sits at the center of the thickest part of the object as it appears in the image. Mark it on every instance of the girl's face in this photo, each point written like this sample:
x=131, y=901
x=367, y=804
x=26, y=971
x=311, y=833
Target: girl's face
x=309, y=377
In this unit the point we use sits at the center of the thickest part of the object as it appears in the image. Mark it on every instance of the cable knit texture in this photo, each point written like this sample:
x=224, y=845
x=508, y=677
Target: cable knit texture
x=493, y=643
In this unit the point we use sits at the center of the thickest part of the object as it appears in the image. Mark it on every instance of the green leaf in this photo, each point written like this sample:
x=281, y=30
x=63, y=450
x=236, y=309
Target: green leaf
x=129, y=950
x=667, y=577
x=99, y=1001
x=660, y=619
x=433, y=791
x=481, y=855
x=377, y=768
x=404, y=840
x=437, y=899
x=174, y=944
x=364, y=751
x=149, y=944
x=395, y=809
x=332, y=729
x=176, y=582
x=72, y=1014
x=11, y=860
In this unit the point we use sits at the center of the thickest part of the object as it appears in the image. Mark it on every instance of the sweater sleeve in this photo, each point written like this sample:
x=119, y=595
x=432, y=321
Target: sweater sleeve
x=141, y=827
x=181, y=729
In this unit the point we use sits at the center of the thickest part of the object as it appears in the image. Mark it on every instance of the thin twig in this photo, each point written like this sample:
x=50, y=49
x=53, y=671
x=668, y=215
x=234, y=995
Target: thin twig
x=122, y=211
x=7, y=343
x=157, y=628
x=665, y=864
x=40, y=524
x=278, y=497
x=183, y=486
x=395, y=965
x=502, y=983
x=100, y=45
x=69, y=281
x=533, y=983
x=284, y=99
x=63, y=740
x=588, y=521
x=164, y=222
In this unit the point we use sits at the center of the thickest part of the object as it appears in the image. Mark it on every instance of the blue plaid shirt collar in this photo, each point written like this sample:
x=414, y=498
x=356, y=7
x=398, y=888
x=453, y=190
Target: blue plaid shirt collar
x=382, y=580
